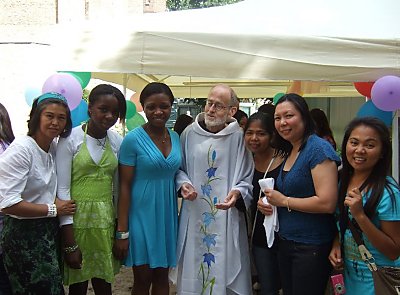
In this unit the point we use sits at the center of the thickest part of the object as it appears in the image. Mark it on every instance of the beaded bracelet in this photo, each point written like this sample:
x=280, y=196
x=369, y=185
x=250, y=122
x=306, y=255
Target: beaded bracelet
x=71, y=249
x=51, y=210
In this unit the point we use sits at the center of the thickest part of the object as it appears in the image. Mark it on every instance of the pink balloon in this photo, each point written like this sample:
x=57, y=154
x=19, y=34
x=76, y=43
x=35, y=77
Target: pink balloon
x=67, y=85
x=385, y=93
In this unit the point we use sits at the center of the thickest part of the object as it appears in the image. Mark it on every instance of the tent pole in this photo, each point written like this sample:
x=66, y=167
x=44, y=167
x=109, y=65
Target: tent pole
x=395, y=146
x=125, y=83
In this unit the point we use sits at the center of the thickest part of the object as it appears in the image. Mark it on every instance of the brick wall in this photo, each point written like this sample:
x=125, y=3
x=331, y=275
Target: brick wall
x=27, y=12
x=154, y=5
x=48, y=12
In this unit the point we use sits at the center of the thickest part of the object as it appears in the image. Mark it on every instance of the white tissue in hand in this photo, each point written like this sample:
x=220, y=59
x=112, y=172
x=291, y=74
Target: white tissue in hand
x=265, y=201
x=266, y=183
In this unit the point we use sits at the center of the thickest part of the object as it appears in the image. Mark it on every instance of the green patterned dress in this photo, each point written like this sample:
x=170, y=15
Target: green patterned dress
x=94, y=221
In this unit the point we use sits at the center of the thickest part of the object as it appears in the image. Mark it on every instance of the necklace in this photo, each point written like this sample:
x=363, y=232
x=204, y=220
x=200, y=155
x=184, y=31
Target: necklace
x=163, y=138
x=102, y=142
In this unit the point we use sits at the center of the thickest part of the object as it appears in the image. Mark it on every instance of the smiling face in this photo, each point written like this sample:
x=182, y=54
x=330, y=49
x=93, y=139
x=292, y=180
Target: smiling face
x=257, y=139
x=289, y=122
x=104, y=112
x=53, y=121
x=218, y=108
x=363, y=148
x=157, y=108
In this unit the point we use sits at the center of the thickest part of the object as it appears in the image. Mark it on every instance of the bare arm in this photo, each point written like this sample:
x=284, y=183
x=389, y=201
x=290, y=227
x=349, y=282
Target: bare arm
x=325, y=183
x=386, y=239
x=27, y=209
x=126, y=174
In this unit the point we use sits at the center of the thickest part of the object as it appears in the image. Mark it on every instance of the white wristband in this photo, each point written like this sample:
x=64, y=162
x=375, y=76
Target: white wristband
x=51, y=210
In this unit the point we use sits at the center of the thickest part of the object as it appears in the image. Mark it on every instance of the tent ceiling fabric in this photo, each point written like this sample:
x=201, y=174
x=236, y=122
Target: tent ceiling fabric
x=330, y=40
x=200, y=86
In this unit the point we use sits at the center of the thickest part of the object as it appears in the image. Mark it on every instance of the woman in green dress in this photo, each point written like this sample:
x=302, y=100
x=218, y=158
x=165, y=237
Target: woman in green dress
x=87, y=173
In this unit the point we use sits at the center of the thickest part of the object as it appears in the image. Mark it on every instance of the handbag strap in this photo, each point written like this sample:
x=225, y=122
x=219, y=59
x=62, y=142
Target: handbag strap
x=259, y=196
x=366, y=256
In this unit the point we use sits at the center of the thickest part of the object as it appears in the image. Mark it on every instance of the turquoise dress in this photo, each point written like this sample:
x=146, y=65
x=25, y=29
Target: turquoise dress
x=153, y=213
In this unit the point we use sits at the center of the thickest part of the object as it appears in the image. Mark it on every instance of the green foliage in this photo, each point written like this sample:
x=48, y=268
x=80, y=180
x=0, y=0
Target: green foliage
x=192, y=4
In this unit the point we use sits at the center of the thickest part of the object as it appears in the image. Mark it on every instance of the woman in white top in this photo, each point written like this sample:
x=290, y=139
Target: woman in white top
x=6, y=138
x=87, y=166
x=28, y=198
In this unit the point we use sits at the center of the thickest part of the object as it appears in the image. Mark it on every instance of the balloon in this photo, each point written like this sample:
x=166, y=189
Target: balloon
x=130, y=109
x=277, y=97
x=385, y=93
x=80, y=114
x=66, y=85
x=31, y=93
x=368, y=109
x=135, y=98
x=364, y=88
x=135, y=121
x=82, y=77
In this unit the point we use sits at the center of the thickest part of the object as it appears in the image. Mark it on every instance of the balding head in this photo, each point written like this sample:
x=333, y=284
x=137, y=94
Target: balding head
x=227, y=92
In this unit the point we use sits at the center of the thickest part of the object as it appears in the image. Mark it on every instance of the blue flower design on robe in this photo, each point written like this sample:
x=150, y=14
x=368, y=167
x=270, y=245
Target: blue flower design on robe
x=208, y=258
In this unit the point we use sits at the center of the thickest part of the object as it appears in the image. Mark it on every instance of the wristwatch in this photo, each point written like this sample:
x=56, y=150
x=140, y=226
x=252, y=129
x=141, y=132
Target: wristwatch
x=121, y=235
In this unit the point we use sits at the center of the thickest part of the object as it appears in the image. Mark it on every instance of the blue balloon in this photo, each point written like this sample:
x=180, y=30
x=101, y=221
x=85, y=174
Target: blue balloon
x=368, y=109
x=31, y=93
x=80, y=115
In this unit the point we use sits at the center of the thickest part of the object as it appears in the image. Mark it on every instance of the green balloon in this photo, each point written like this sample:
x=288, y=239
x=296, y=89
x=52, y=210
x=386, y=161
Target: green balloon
x=130, y=109
x=82, y=77
x=277, y=97
x=136, y=121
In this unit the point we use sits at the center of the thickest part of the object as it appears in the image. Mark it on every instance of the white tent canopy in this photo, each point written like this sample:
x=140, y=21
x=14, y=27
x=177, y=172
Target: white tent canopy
x=330, y=40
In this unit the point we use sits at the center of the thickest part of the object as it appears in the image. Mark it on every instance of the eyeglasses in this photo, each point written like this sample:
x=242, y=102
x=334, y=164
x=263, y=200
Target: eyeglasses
x=217, y=106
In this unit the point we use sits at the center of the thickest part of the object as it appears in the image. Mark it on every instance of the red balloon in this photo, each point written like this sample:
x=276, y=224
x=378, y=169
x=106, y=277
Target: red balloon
x=364, y=88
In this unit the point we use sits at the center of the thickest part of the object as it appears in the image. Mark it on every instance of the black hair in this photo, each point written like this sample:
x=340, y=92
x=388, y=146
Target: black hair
x=155, y=88
x=182, y=122
x=267, y=123
x=309, y=128
x=267, y=108
x=6, y=132
x=239, y=115
x=376, y=181
x=106, y=89
x=36, y=112
x=322, y=128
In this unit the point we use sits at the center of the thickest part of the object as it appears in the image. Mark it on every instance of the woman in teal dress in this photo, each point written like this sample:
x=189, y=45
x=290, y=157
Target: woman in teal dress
x=87, y=173
x=149, y=158
x=369, y=198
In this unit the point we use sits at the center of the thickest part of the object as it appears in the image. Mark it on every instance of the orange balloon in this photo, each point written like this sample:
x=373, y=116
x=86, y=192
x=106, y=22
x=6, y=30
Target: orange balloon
x=135, y=99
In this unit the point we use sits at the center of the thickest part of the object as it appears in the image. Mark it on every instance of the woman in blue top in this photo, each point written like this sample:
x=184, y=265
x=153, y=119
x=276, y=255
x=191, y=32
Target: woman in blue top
x=376, y=208
x=149, y=158
x=306, y=195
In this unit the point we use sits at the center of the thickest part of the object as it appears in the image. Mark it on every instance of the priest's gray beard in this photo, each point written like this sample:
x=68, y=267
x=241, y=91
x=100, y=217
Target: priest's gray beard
x=214, y=122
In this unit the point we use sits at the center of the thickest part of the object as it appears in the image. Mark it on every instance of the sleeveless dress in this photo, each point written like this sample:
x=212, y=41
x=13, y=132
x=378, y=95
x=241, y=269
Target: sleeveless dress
x=94, y=220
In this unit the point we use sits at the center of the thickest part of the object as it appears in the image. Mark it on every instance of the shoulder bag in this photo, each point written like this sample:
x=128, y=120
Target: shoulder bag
x=386, y=279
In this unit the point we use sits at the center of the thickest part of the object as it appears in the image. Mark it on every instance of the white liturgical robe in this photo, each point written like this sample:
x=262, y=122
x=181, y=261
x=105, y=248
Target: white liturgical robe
x=212, y=251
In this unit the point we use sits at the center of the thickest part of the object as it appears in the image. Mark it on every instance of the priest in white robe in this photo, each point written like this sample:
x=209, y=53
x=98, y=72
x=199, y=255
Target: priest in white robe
x=217, y=171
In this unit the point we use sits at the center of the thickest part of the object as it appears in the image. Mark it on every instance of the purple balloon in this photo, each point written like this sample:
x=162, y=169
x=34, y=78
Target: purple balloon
x=66, y=85
x=385, y=93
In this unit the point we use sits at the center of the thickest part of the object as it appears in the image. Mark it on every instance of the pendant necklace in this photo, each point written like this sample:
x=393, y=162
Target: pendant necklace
x=102, y=143
x=163, y=139
x=165, y=136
